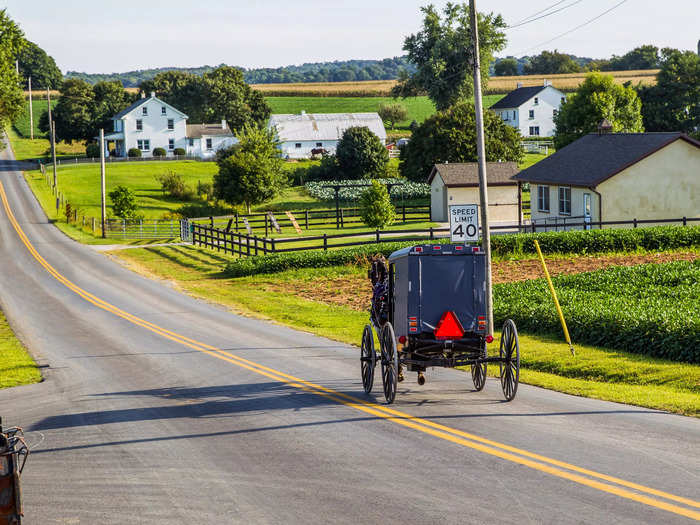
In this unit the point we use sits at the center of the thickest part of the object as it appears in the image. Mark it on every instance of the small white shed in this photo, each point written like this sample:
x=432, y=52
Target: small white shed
x=458, y=183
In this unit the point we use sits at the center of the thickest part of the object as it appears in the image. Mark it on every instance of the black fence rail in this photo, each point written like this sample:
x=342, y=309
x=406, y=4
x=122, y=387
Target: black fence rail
x=236, y=243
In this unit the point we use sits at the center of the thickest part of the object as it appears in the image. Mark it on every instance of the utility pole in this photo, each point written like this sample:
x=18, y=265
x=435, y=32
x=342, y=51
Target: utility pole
x=53, y=152
x=102, y=173
x=31, y=111
x=481, y=158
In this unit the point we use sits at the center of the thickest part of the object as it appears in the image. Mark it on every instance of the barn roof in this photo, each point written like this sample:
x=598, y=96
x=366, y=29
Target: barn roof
x=323, y=126
x=466, y=174
x=595, y=158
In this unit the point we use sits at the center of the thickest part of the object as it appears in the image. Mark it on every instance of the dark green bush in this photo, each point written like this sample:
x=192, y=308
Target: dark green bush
x=159, y=152
x=179, y=152
x=134, y=153
x=92, y=150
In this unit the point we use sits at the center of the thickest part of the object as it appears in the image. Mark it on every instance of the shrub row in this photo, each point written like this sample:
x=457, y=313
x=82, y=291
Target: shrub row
x=649, y=309
x=408, y=190
x=598, y=241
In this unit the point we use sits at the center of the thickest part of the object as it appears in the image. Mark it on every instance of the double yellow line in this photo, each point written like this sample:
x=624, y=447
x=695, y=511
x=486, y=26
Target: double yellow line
x=560, y=469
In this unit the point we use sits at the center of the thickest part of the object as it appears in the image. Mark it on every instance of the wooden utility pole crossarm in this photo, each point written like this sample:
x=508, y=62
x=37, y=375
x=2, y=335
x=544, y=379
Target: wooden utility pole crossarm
x=481, y=158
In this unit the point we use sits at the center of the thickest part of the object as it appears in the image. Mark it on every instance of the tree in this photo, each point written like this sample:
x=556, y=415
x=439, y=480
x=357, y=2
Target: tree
x=507, y=67
x=360, y=154
x=442, y=54
x=11, y=43
x=392, y=113
x=180, y=89
x=551, y=63
x=450, y=136
x=642, y=57
x=35, y=63
x=123, y=202
x=74, y=111
x=109, y=99
x=376, y=209
x=673, y=104
x=597, y=98
x=254, y=173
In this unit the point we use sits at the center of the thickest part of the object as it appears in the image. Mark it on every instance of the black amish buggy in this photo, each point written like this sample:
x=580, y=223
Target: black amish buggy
x=429, y=310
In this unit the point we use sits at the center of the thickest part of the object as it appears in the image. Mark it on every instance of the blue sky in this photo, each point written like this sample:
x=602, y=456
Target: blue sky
x=106, y=36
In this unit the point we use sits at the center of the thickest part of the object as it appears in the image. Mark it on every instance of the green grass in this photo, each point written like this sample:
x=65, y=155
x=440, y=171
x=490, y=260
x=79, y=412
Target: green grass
x=21, y=125
x=419, y=108
x=16, y=365
x=595, y=371
x=40, y=148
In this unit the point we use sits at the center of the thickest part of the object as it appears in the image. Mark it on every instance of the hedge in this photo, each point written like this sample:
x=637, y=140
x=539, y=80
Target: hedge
x=650, y=309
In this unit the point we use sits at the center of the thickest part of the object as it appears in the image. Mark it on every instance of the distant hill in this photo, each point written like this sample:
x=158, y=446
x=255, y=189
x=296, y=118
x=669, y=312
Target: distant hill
x=337, y=71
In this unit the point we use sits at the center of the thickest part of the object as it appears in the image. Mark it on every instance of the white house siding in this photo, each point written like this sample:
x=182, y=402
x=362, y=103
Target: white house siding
x=199, y=146
x=289, y=148
x=155, y=128
x=555, y=215
x=503, y=201
x=548, y=100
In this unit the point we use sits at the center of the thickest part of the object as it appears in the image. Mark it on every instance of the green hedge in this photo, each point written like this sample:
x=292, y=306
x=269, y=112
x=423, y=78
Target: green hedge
x=650, y=309
x=598, y=241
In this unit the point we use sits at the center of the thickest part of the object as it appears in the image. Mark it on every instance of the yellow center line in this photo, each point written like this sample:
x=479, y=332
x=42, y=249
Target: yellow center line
x=523, y=457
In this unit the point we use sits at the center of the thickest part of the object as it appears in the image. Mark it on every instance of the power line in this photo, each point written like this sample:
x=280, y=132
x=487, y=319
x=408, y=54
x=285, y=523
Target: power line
x=539, y=12
x=545, y=15
x=573, y=28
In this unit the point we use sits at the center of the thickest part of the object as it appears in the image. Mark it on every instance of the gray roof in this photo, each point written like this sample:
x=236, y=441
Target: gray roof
x=517, y=97
x=466, y=174
x=323, y=126
x=197, y=131
x=131, y=108
x=595, y=158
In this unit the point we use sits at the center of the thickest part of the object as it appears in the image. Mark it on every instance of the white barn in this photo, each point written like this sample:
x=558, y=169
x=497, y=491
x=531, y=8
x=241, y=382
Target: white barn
x=299, y=134
x=531, y=109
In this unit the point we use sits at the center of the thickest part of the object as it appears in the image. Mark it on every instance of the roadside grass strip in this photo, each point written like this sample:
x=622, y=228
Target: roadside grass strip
x=16, y=365
x=589, y=478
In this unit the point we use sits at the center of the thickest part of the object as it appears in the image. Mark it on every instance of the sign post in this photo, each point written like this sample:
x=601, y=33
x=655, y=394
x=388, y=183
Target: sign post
x=464, y=223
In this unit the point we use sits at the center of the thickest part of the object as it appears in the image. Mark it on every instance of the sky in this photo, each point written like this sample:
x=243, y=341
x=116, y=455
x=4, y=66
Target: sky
x=106, y=36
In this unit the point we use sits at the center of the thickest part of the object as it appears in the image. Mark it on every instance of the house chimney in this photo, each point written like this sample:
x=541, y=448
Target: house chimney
x=519, y=85
x=153, y=94
x=143, y=94
x=223, y=124
x=604, y=127
x=546, y=83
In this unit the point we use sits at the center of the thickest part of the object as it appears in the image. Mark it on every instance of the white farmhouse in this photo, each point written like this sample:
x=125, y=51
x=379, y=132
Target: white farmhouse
x=299, y=134
x=204, y=140
x=531, y=109
x=150, y=123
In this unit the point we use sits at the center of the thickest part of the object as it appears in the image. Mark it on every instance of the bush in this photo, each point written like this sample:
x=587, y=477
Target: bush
x=326, y=170
x=123, y=202
x=134, y=153
x=179, y=152
x=206, y=190
x=159, y=152
x=360, y=154
x=172, y=183
x=408, y=190
x=392, y=113
x=92, y=150
x=375, y=206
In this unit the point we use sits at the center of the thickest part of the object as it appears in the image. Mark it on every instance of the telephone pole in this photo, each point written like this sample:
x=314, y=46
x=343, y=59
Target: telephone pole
x=481, y=158
x=102, y=173
x=31, y=111
x=53, y=152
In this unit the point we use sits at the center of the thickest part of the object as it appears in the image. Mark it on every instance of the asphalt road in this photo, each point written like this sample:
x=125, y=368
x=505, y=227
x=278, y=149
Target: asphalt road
x=158, y=408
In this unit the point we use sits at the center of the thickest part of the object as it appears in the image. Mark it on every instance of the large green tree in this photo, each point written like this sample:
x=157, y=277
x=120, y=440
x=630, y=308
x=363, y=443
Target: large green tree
x=360, y=154
x=11, y=43
x=109, y=99
x=450, y=136
x=442, y=54
x=673, y=104
x=506, y=67
x=642, y=57
x=551, y=63
x=182, y=90
x=254, y=173
x=597, y=98
x=74, y=112
x=35, y=63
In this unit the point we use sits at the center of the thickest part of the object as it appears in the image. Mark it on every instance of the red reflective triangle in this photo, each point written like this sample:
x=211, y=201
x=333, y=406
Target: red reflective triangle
x=449, y=327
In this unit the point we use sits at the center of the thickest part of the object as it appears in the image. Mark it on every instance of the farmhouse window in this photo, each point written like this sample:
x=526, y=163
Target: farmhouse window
x=162, y=110
x=191, y=142
x=514, y=117
x=532, y=113
x=209, y=144
x=171, y=123
x=297, y=145
x=537, y=101
x=144, y=111
x=139, y=125
x=144, y=145
x=535, y=131
x=543, y=198
x=319, y=144
x=565, y=201
x=171, y=143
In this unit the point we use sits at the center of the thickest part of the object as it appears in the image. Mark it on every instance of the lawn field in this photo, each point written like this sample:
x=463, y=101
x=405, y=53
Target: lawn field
x=293, y=298
x=40, y=148
x=16, y=365
x=21, y=125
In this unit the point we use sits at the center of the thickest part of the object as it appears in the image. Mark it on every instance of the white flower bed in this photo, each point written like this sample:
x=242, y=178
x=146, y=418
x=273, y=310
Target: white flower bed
x=408, y=190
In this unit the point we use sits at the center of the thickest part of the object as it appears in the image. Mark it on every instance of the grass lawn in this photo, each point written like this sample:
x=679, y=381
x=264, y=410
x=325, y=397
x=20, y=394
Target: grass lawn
x=16, y=366
x=594, y=372
x=40, y=148
x=21, y=125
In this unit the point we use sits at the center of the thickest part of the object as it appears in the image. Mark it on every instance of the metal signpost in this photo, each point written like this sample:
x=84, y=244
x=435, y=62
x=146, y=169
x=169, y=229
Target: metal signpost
x=464, y=223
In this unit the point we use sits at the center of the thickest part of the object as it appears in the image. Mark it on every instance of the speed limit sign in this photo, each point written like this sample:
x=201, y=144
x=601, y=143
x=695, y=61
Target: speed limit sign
x=464, y=223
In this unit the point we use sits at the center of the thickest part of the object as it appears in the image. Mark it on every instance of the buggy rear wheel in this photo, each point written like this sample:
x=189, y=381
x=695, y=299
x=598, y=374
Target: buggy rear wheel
x=510, y=354
x=479, y=376
x=390, y=362
x=368, y=359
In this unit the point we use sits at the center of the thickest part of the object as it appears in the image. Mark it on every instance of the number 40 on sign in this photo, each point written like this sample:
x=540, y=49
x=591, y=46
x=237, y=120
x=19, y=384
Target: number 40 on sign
x=464, y=223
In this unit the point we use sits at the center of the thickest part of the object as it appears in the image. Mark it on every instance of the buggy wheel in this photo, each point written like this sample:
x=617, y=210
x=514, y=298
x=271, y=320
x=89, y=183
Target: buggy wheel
x=390, y=362
x=510, y=354
x=368, y=359
x=479, y=376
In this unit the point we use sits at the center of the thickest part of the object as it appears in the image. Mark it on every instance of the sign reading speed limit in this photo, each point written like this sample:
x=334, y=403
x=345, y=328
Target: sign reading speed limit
x=464, y=223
